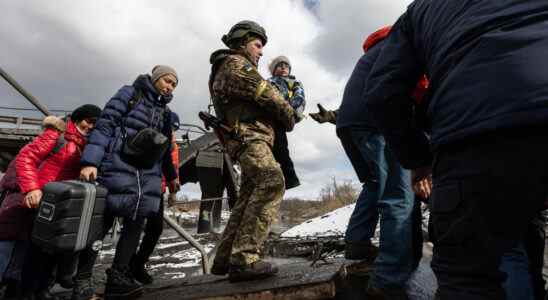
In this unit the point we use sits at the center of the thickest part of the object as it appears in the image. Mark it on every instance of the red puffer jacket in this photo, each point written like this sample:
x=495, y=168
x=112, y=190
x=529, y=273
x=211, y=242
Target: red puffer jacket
x=36, y=165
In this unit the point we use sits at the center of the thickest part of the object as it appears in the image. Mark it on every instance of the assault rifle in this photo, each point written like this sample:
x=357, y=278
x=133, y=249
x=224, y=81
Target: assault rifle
x=221, y=130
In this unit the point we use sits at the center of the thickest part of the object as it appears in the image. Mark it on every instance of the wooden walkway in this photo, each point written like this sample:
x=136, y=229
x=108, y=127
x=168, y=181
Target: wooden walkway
x=295, y=281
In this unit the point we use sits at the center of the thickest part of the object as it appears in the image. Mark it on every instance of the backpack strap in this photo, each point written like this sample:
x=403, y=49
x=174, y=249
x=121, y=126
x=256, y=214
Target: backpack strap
x=61, y=142
x=131, y=104
x=134, y=100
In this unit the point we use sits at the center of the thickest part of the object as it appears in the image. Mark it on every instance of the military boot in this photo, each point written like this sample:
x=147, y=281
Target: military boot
x=257, y=270
x=82, y=289
x=121, y=285
x=139, y=271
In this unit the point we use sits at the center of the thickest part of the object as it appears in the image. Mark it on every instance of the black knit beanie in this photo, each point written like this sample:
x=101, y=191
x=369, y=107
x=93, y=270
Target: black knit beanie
x=86, y=111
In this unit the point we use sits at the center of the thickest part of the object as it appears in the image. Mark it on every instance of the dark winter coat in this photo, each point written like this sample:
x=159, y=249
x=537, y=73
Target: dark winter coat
x=131, y=191
x=45, y=159
x=353, y=111
x=486, y=61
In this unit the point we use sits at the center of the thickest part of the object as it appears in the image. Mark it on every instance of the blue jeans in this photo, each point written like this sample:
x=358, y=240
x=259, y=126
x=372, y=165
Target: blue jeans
x=386, y=192
x=518, y=281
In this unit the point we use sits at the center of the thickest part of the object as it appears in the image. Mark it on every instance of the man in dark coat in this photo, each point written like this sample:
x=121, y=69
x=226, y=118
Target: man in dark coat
x=134, y=191
x=488, y=111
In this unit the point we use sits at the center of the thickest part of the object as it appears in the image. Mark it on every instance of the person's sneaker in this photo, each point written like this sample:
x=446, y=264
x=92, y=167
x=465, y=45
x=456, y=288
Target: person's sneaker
x=139, y=272
x=121, y=285
x=219, y=269
x=257, y=270
x=374, y=293
x=291, y=182
x=360, y=251
x=82, y=289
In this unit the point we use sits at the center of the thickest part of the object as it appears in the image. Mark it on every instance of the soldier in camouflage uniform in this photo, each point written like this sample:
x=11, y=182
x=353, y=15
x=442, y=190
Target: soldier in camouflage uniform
x=253, y=108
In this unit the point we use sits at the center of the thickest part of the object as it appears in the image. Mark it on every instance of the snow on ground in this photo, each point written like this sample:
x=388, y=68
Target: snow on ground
x=331, y=224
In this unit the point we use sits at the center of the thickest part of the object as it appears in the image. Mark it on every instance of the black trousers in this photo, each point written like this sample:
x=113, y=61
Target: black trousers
x=153, y=230
x=534, y=246
x=280, y=150
x=486, y=192
x=125, y=248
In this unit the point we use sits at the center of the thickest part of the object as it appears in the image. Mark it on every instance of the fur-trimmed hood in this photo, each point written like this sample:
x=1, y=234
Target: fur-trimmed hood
x=54, y=122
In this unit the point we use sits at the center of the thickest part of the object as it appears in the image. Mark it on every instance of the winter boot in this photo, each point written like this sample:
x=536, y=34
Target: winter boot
x=139, y=272
x=82, y=289
x=121, y=285
x=219, y=269
x=257, y=270
x=292, y=182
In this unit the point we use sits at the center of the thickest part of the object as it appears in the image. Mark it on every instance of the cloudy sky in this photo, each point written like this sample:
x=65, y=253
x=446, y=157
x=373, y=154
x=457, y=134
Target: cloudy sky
x=69, y=53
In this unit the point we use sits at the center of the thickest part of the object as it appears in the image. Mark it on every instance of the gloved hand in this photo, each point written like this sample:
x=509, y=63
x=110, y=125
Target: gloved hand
x=324, y=115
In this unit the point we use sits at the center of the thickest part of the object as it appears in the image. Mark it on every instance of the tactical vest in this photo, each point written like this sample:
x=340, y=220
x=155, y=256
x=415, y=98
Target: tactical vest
x=233, y=111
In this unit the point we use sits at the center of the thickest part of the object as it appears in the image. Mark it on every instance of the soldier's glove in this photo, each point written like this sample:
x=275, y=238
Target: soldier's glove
x=324, y=115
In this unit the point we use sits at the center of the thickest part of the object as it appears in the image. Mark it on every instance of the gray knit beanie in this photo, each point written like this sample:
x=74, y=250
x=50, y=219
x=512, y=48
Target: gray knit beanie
x=161, y=70
x=276, y=61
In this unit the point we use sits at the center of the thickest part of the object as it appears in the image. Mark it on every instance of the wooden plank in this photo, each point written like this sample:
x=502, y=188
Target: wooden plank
x=295, y=281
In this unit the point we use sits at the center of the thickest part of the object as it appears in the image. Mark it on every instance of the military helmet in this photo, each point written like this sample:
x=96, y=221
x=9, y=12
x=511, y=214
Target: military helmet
x=240, y=30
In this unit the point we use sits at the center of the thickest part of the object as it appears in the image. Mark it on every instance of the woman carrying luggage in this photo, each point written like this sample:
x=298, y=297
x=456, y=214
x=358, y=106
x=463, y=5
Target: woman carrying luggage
x=54, y=155
x=128, y=153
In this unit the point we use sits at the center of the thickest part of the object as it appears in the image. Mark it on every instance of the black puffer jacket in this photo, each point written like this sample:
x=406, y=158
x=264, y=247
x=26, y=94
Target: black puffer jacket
x=131, y=191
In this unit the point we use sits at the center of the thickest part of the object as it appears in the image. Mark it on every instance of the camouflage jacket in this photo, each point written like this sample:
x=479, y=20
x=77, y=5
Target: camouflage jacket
x=244, y=100
x=291, y=89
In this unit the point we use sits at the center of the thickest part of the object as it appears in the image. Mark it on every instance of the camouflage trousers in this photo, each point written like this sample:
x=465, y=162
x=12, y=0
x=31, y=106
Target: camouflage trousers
x=261, y=193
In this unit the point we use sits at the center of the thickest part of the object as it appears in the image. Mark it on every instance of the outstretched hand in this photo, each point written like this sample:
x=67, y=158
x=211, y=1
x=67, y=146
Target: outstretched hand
x=323, y=115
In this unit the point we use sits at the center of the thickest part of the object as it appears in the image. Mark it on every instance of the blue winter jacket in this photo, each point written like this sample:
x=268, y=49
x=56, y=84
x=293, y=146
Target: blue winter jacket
x=292, y=90
x=353, y=111
x=132, y=192
x=486, y=61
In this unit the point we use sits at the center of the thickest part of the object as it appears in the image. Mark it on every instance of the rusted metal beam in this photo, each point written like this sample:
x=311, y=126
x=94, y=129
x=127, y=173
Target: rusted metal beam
x=24, y=92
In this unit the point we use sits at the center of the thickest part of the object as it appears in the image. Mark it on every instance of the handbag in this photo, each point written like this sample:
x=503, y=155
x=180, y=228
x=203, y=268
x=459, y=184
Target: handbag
x=146, y=147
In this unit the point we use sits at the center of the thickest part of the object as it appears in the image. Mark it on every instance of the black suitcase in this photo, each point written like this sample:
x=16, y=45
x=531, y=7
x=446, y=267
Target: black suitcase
x=70, y=216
